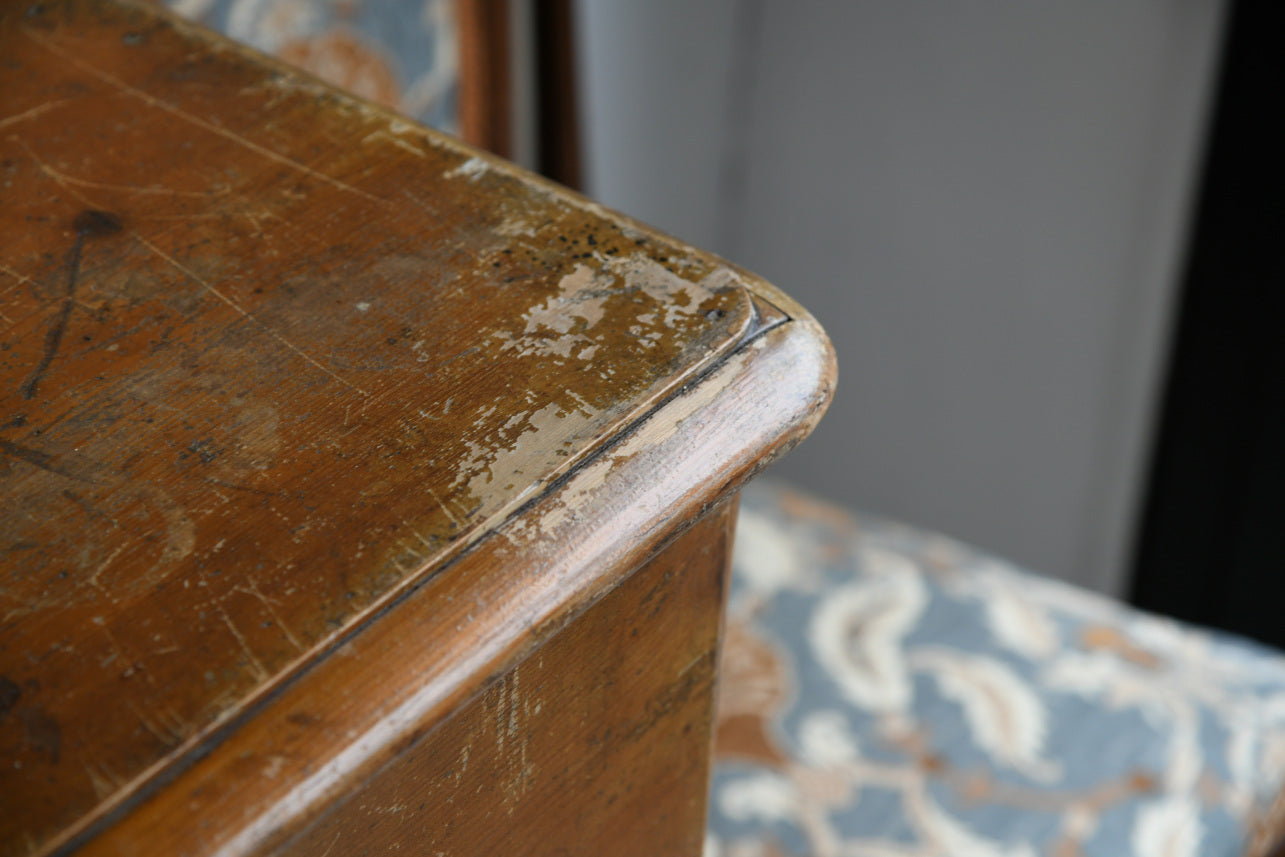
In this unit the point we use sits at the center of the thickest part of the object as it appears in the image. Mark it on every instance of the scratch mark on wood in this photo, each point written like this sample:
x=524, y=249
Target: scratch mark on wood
x=68, y=180
x=53, y=174
x=43, y=460
x=224, y=484
x=417, y=534
x=331, y=847
x=251, y=588
x=691, y=664
x=168, y=718
x=101, y=779
x=22, y=278
x=119, y=652
x=209, y=287
x=152, y=101
x=157, y=733
x=89, y=224
x=259, y=672
x=421, y=204
x=102, y=566
x=395, y=140
x=454, y=520
x=32, y=113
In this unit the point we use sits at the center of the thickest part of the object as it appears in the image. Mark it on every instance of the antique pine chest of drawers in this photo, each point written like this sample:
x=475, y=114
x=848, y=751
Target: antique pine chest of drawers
x=359, y=493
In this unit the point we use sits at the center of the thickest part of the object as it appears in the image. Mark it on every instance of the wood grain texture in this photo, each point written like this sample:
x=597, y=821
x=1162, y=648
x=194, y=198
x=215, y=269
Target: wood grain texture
x=308, y=412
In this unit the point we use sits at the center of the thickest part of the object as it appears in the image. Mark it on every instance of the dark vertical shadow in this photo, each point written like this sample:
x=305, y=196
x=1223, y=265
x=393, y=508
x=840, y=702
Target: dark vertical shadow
x=557, y=114
x=1211, y=539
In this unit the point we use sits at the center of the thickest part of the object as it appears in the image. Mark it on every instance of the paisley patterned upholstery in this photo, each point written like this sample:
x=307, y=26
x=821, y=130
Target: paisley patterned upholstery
x=891, y=692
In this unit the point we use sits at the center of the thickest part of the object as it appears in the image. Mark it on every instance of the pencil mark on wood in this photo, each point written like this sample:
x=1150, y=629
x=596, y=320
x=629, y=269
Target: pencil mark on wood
x=10, y=693
x=43, y=460
x=88, y=224
x=210, y=287
x=152, y=101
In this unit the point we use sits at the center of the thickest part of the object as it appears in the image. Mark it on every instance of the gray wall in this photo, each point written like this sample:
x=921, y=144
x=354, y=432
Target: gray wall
x=983, y=202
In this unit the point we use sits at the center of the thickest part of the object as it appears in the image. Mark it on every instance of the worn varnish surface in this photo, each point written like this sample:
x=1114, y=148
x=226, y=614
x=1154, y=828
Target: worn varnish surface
x=269, y=358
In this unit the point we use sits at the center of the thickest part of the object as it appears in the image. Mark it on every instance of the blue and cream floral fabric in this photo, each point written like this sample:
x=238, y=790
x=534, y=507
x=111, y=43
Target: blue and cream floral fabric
x=403, y=54
x=891, y=692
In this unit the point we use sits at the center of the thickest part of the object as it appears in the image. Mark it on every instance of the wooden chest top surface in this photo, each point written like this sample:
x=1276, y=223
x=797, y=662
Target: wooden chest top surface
x=269, y=357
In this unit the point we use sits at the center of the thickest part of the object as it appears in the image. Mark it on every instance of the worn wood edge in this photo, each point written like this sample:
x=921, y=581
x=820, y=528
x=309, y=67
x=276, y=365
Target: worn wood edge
x=668, y=470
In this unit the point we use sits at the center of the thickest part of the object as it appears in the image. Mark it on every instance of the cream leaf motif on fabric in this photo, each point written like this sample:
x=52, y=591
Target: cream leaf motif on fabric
x=956, y=840
x=825, y=739
x=1169, y=827
x=1005, y=716
x=1159, y=697
x=767, y=560
x=1102, y=677
x=762, y=796
x=1017, y=623
x=856, y=634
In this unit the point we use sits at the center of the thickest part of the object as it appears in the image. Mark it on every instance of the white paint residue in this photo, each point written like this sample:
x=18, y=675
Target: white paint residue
x=496, y=468
x=562, y=324
x=362, y=306
x=497, y=462
x=650, y=438
x=470, y=169
x=676, y=296
x=514, y=227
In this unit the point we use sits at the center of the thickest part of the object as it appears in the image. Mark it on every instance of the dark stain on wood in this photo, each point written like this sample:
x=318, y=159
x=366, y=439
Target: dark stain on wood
x=88, y=224
x=10, y=693
x=43, y=736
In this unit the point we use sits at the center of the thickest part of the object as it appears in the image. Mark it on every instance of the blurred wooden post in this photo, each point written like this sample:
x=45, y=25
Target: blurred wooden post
x=487, y=55
x=485, y=100
x=557, y=119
